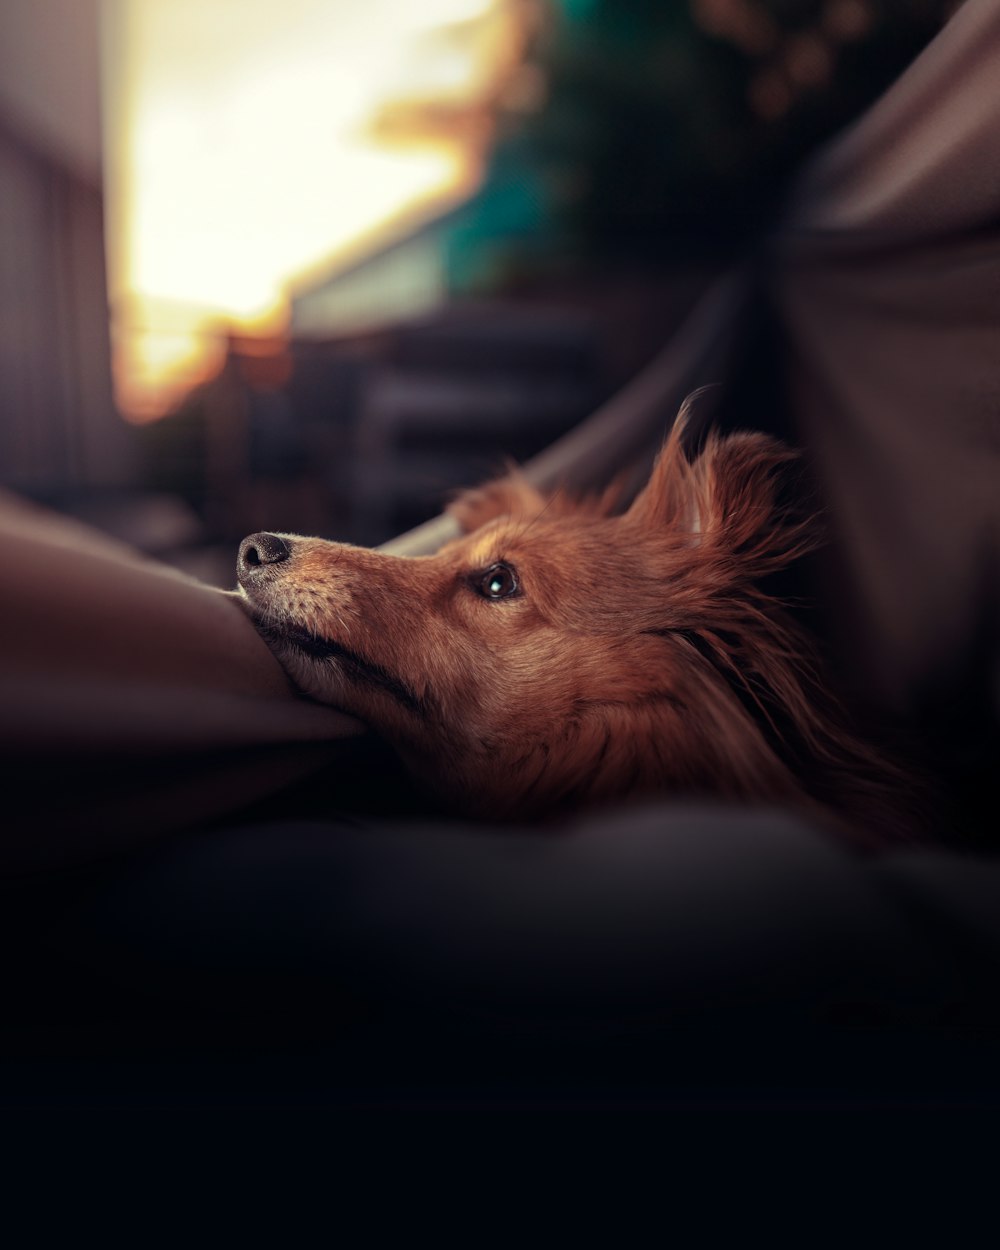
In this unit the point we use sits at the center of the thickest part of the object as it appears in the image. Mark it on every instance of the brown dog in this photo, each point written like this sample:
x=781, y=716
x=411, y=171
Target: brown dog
x=560, y=654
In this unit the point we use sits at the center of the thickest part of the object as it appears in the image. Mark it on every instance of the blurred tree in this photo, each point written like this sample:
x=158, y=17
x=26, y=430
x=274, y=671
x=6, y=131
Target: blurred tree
x=638, y=129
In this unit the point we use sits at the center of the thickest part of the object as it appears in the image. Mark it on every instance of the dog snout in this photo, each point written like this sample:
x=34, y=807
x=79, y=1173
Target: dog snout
x=257, y=551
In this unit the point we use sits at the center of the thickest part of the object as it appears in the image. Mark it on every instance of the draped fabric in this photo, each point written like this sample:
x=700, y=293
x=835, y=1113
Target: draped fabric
x=886, y=278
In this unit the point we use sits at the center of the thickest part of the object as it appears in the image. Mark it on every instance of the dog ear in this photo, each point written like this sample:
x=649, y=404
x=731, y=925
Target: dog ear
x=511, y=496
x=670, y=499
x=671, y=496
x=741, y=495
x=741, y=481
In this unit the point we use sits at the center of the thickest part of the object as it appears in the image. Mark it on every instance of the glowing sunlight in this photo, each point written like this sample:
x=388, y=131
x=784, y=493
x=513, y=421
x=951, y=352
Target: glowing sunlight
x=242, y=150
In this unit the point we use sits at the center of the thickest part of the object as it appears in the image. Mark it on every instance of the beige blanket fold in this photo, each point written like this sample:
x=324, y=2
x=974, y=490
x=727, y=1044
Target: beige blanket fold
x=147, y=694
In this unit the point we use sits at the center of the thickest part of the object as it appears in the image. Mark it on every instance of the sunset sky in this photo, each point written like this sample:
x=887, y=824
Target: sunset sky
x=240, y=155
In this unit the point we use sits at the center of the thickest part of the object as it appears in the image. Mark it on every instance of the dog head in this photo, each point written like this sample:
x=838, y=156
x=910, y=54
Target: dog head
x=560, y=653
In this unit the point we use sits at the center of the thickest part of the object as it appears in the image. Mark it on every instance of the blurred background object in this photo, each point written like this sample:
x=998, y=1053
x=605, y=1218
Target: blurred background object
x=59, y=430
x=358, y=255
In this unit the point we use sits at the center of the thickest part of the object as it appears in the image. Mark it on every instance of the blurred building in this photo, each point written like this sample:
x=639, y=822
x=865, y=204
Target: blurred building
x=59, y=431
x=359, y=436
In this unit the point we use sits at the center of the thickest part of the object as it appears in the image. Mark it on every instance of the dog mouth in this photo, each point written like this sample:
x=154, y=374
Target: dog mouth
x=350, y=664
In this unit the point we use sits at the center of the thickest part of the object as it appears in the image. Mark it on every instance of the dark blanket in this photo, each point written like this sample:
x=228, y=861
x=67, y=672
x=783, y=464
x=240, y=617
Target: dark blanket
x=667, y=955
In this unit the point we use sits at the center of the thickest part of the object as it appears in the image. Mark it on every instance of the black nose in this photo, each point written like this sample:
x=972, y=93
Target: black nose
x=258, y=550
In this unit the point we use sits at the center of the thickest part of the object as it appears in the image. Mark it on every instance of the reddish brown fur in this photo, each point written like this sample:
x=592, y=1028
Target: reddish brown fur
x=639, y=656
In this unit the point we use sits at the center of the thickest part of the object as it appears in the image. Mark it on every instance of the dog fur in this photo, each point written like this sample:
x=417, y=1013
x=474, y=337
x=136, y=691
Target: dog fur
x=564, y=653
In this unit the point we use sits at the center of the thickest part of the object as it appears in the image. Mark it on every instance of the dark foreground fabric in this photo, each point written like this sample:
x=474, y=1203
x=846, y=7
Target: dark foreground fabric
x=663, y=955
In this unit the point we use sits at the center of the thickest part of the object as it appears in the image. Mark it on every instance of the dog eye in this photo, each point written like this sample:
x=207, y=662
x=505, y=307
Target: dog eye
x=498, y=582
